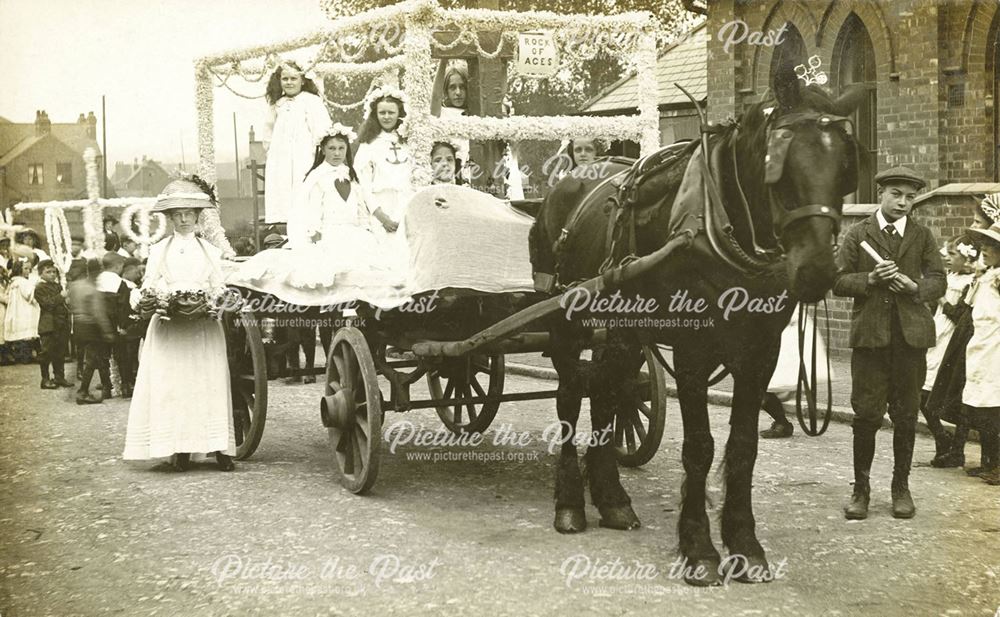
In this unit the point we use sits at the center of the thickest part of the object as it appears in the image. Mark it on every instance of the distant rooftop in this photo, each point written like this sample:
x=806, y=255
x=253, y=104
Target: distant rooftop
x=685, y=62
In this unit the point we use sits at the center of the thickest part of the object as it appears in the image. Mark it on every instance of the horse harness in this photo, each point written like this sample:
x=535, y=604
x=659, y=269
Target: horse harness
x=709, y=217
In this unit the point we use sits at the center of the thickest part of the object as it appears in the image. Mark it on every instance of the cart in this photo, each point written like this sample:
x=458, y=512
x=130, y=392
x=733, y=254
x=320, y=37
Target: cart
x=459, y=352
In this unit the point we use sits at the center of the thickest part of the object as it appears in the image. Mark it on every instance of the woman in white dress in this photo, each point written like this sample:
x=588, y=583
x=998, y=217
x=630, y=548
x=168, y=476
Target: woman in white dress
x=298, y=119
x=384, y=166
x=182, y=403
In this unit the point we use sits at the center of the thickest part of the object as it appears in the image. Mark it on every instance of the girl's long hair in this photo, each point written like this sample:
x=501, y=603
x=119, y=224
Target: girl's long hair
x=274, y=91
x=447, y=80
x=348, y=160
x=371, y=128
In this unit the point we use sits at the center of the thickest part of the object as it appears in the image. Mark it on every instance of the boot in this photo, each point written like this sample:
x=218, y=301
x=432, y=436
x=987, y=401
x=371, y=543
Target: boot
x=903, y=436
x=181, y=461
x=857, y=510
x=989, y=443
x=955, y=457
x=942, y=445
x=778, y=430
x=62, y=383
x=84, y=397
x=902, y=502
x=864, y=453
x=224, y=462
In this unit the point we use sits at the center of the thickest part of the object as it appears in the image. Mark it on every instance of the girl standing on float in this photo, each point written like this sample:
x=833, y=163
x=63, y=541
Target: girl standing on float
x=182, y=402
x=298, y=119
x=336, y=223
x=384, y=166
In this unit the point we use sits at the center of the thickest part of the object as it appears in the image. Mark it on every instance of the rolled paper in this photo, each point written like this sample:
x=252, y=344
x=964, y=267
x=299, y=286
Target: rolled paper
x=871, y=251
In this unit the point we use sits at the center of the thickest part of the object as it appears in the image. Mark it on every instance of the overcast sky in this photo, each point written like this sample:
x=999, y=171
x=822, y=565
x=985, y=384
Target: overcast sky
x=62, y=55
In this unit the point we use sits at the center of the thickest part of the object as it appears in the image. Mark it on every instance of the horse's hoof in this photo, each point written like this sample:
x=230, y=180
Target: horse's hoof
x=570, y=520
x=748, y=569
x=619, y=517
x=703, y=573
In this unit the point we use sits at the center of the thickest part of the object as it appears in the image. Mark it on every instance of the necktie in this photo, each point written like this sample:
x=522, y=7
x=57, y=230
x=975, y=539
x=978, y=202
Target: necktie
x=894, y=239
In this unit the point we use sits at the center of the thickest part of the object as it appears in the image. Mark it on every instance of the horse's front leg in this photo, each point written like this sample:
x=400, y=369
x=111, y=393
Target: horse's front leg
x=612, y=392
x=746, y=561
x=701, y=559
x=566, y=348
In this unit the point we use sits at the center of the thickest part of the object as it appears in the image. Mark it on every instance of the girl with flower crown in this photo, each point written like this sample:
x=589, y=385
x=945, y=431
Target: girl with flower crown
x=384, y=167
x=298, y=119
x=182, y=402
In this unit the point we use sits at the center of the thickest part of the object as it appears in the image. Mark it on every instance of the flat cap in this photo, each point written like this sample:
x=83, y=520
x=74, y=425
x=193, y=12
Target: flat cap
x=900, y=174
x=273, y=239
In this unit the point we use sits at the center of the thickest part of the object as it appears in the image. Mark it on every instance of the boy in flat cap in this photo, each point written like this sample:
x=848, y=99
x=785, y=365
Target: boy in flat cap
x=891, y=329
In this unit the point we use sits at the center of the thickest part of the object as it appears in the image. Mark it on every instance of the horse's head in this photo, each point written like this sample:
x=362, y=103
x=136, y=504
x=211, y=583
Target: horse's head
x=811, y=163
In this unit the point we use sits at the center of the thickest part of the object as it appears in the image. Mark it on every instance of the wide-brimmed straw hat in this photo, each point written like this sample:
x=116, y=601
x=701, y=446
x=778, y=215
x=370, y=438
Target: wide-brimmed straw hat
x=182, y=194
x=993, y=233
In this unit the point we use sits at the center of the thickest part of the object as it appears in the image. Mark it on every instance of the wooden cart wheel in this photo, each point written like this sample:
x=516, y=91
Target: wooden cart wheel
x=248, y=379
x=464, y=378
x=351, y=410
x=639, y=428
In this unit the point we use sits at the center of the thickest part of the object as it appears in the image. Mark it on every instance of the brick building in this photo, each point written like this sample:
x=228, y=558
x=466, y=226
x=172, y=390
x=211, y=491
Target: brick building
x=935, y=68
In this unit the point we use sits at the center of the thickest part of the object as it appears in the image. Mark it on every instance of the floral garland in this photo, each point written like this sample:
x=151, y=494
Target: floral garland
x=339, y=129
x=93, y=228
x=60, y=240
x=210, y=221
x=144, y=239
x=420, y=19
x=382, y=92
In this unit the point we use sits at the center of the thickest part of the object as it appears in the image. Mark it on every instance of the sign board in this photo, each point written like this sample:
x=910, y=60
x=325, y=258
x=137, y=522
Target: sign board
x=536, y=54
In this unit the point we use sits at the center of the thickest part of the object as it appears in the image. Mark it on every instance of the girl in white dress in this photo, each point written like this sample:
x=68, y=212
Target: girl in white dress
x=384, y=166
x=298, y=119
x=181, y=402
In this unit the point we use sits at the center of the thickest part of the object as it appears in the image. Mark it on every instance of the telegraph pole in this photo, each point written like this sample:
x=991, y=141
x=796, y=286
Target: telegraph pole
x=104, y=147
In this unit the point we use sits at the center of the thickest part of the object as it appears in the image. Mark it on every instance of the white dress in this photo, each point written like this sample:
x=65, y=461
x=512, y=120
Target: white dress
x=384, y=168
x=982, y=356
x=784, y=381
x=182, y=400
x=944, y=326
x=346, y=242
x=295, y=126
x=21, y=319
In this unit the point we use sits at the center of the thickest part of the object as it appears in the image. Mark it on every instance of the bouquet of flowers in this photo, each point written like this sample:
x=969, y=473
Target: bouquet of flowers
x=182, y=304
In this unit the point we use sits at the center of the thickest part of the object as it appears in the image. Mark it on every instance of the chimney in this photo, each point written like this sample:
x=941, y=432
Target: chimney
x=42, y=124
x=91, y=125
x=135, y=163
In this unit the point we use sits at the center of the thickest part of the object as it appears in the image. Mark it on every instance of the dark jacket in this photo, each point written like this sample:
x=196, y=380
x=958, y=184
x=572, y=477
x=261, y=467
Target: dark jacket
x=917, y=258
x=54, y=315
x=117, y=307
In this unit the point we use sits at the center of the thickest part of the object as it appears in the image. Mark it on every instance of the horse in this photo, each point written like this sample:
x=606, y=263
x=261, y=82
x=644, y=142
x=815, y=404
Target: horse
x=759, y=200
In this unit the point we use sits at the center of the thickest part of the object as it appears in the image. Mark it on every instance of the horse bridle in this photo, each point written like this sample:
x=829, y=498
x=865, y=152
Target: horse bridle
x=779, y=138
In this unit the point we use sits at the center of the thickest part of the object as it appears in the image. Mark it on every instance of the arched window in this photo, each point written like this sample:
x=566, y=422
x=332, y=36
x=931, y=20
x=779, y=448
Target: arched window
x=854, y=56
x=791, y=52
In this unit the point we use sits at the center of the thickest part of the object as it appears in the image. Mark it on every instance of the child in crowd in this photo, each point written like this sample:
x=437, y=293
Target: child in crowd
x=298, y=119
x=961, y=255
x=384, y=167
x=53, y=326
x=981, y=396
x=93, y=331
x=21, y=319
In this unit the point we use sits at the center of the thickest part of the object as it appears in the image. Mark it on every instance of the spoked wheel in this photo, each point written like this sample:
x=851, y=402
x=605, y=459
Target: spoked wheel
x=248, y=379
x=465, y=378
x=351, y=410
x=638, y=428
